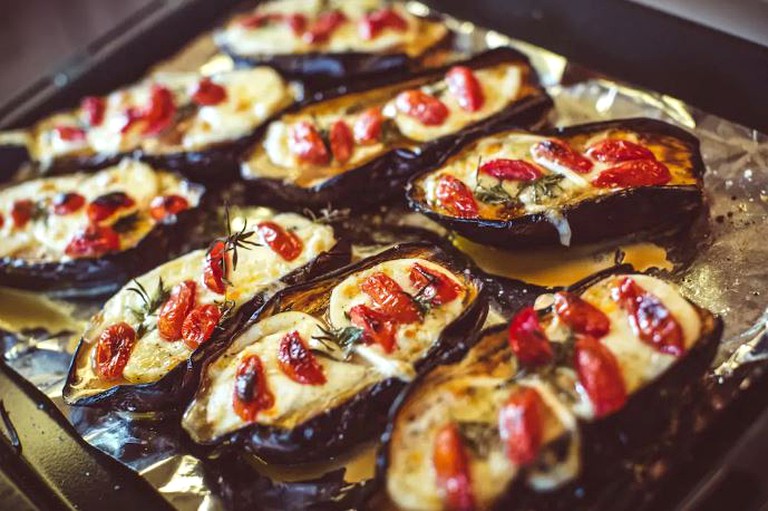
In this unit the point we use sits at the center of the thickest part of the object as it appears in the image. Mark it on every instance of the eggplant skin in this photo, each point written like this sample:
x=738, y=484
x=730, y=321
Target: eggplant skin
x=629, y=211
x=173, y=391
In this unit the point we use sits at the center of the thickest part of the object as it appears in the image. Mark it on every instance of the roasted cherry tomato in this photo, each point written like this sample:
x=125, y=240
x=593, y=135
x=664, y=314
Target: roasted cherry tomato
x=634, y=173
x=94, y=241
x=600, y=375
x=511, y=170
x=70, y=133
x=378, y=328
x=581, y=316
x=2, y=221
x=560, y=153
x=131, y=116
x=216, y=268
x=104, y=206
x=164, y=206
x=199, y=324
x=455, y=197
x=368, y=126
x=342, y=141
x=208, y=93
x=615, y=151
x=160, y=111
x=427, y=109
x=389, y=298
x=521, y=425
x=451, y=462
x=21, y=212
x=258, y=19
x=463, y=85
x=252, y=394
x=284, y=243
x=298, y=362
x=296, y=22
x=93, y=110
x=66, y=203
x=321, y=30
x=527, y=339
x=650, y=318
x=172, y=313
x=434, y=287
x=113, y=350
x=372, y=24
x=307, y=144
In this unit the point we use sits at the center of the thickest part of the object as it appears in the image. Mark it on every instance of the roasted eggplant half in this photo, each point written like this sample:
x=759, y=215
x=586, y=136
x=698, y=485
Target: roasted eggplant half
x=571, y=185
x=88, y=233
x=516, y=414
x=358, y=147
x=316, y=369
x=143, y=350
x=188, y=122
x=331, y=40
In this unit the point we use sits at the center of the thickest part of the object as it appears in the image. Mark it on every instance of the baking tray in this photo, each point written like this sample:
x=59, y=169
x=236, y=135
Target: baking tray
x=736, y=92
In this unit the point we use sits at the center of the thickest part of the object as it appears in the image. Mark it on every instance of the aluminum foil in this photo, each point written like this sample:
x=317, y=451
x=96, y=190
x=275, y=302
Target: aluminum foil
x=728, y=274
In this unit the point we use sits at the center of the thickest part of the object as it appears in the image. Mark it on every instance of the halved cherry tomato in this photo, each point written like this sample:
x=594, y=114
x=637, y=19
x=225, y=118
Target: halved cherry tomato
x=560, y=153
x=527, y=339
x=104, y=206
x=160, y=111
x=368, y=126
x=2, y=221
x=113, y=350
x=208, y=93
x=252, y=394
x=378, y=328
x=634, y=173
x=323, y=27
x=521, y=425
x=427, y=109
x=131, y=116
x=298, y=362
x=199, y=324
x=172, y=313
x=93, y=107
x=455, y=197
x=94, y=241
x=307, y=144
x=216, y=267
x=372, y=24
x=650, y=318
x=615, y=151
x=66, y=203
x=512, y=170
x=434, y=287
x=580, y=315
x=21, y=212
x=600, y=375
x=258, y=19
x=284, y=243
x=342, y=142
x=297, y=23
x=70, y=133
x=451, y=462
x=164, y=206
x=463, y=85
x=389, y=298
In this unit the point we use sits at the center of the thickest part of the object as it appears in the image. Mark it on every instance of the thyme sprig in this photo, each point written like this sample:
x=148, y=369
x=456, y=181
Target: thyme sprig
x=345, y=338
x=150, y=303
x=327, y=215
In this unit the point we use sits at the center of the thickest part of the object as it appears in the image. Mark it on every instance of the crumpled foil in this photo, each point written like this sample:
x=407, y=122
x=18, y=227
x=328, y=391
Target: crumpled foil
x=728, y=274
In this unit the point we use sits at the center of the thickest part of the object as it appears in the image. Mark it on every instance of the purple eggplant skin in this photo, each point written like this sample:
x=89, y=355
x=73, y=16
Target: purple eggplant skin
x=364, y=416
x=11, y=158
x=174, y=390
x=386, y=175
x=630, y=211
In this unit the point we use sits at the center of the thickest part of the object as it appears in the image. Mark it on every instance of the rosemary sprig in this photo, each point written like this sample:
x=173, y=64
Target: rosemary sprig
x=343, y=338
x=421, y=299
x=150, y=303
x=227, y=308
x=327, y=215
x=495, y=194
x=545, y=187
x=236, y=240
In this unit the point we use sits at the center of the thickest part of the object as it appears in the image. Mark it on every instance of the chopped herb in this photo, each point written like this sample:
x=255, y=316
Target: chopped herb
x=545, y=187
x=424, y=302
x=495, y=194
x=344, y=338
x=149, y=304
x=126, y=223
x=480, y=437
x=227, y=308
x=390, y=133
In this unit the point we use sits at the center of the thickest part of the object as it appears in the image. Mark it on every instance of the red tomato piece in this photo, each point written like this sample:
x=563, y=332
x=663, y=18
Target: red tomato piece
x=451, y=462
x=258, y=20
x=378, y=328
x=298, y=362
x=581, y=316
x=521, y=425
x=560, y=153
x=171, y=316
x=368, y=126
x=455, y=197
x=527, y=339
x=463, y=85
x=297, y=23
x=113, y=350
x=342, y=141
x=94, y=241
x=164, y=206
x=131, y=116
x=634, y=173
x=208, y=93
x=104, y=206
x=650, y=318
x=600, y=375
x=322, y=29
x=252, y=394
x=199, y=324
x=284, y=243
x=435, y=287
x=2, y=221
x=372, y=24
x=307, y=144
x=615, y=151
x=511, y=170
x=427, y=109
x=21, y=212
x=93, y=108
x=389, y=298
x=70, y=133
x=66, y=203
x=216, y=268
x=160, y=112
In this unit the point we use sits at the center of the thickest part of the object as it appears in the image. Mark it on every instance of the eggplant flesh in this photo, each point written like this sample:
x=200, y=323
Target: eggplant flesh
x=560, y=205
x=350, y=407
x=577, y=448
x=163, y=375
x=380, y=169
